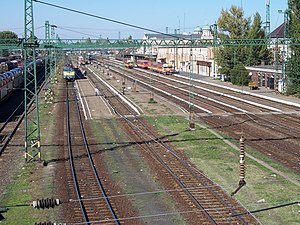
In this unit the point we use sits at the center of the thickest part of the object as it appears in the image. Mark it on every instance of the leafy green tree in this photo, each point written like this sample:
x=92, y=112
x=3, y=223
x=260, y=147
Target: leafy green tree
x=235, y=26
x=233, y=22
x=257, y=54
x=8, y=35
x=293, y=65
x=4, y=35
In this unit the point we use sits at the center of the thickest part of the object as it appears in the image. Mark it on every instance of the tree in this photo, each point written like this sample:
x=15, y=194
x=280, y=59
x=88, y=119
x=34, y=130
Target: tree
x=257, y=54
x=8, y=35
x=4, y=36
x=293, y=65
x=235, y=26
x=233, y=22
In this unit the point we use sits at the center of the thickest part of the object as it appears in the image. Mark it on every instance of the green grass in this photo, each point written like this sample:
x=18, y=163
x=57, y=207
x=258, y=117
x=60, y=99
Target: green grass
x=131, y=173
x=19, y=192
x=221, y=163
x=25, y=186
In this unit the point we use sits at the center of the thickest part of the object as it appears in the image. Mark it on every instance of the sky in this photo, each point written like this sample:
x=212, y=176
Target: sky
x=151, y=14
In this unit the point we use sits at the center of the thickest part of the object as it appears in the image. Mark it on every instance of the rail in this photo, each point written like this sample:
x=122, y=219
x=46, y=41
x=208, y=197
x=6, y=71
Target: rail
x=175, y=165
x=41, y=83
x=92, y=165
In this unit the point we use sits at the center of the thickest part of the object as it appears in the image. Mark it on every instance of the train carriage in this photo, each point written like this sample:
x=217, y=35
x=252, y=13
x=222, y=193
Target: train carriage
x=10, y=80
x=13, y=78
x=143, y=63
x=161, y=68
x=129, y=64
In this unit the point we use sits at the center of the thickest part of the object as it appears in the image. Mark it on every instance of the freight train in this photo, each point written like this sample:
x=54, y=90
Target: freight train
x=12, y=79
x=6, y=65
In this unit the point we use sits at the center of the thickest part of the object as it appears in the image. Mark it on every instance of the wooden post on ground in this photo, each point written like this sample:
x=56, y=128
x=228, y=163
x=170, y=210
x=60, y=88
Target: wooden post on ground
x=192, y=121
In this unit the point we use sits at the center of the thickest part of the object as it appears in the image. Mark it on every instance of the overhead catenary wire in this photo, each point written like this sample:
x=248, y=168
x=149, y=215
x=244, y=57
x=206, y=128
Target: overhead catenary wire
x=167, y=191
x=259, y=181
x=182, y=212
x=267, y=209
x=90, y=35
x=37, y=28
x=107, y=19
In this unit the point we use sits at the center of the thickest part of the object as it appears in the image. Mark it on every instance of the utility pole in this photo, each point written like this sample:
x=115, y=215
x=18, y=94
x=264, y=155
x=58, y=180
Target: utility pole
x=49, y=63
x=191, y=89
x=48, y=52
x=32, y=123
x=215, y=43
x=285, y=46
x=268, y=23
x=53, y=54
x=285, y=40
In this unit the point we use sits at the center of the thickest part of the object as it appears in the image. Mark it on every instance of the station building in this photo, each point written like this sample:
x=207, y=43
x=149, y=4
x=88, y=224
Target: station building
x=201, y=58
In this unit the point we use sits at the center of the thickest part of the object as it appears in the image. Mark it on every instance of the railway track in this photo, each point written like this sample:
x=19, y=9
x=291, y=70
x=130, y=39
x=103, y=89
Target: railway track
x=270, y=127
x=277, y=142
x=12, y=114
x=205, y=201
x=10, y=126
x=92, y=205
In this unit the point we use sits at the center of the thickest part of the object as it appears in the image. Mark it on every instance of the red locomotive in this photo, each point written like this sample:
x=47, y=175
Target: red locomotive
x=161, y=68
x=142, y=63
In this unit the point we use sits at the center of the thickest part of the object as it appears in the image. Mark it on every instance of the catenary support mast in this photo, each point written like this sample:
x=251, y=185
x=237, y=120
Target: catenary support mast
x=48, y=51
x=31, y=120
x=268, y=18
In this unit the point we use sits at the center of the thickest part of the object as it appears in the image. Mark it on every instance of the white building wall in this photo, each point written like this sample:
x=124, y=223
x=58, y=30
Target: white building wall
x=180, y=59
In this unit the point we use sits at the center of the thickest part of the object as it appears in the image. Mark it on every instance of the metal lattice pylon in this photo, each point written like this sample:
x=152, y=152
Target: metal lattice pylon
x=48, y=51
x=53, y=55
x=268, y=18
x=31, y=119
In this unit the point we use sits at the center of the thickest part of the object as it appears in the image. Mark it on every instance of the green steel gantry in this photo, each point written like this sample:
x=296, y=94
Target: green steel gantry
x=94, y=44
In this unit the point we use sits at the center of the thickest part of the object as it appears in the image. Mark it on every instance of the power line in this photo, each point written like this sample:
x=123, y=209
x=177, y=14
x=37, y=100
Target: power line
x=266, y=209
x=19, y=34
x=149, y=216
x=90, y=35
x=107, y=19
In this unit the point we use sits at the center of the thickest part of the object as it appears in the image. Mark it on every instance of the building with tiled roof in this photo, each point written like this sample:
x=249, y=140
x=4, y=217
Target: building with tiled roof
x=278, y=32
